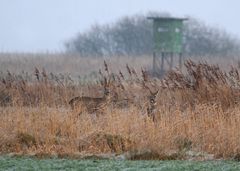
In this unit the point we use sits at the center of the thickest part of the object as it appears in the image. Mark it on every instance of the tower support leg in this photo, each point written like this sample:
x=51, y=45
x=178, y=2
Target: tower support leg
x=180, y=61
x=171, y=60
x=154, y=63
x=162, y=63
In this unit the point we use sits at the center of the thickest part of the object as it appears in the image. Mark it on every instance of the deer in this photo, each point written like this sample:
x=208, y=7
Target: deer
x=92, y=104
x=152, y=103
x=151, y=109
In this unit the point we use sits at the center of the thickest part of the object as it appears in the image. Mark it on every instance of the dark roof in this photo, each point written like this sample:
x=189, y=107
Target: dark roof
x=166, y=18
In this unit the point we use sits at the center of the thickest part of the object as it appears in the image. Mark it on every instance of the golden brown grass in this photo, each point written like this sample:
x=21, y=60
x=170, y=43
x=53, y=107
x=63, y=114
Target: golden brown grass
x=197, y=110
x=205, y=129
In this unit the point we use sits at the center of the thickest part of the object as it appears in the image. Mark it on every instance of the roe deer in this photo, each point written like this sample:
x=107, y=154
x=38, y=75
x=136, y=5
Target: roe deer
x=152, y=103
x=151, y=110
x=90, y=104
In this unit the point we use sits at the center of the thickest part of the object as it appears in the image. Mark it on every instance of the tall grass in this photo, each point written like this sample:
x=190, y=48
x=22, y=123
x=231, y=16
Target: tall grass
x=195, y=110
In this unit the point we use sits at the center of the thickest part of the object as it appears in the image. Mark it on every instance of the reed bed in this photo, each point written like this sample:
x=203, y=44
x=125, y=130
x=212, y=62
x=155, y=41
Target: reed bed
x=195, y=110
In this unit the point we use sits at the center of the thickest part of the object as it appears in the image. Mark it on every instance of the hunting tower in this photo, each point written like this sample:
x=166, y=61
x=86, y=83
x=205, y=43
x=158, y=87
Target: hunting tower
x=167, y=36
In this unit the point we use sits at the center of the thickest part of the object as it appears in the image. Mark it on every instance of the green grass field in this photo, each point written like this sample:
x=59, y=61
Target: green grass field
x=23, y=163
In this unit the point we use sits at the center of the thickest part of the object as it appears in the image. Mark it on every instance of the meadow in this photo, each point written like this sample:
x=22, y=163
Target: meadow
x=194, y=116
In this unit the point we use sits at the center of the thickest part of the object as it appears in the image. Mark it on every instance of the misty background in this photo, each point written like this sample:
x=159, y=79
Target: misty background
x=46, y=26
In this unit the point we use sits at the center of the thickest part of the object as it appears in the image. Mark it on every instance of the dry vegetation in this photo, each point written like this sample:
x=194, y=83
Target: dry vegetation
x=67, y=63
x=196, y=110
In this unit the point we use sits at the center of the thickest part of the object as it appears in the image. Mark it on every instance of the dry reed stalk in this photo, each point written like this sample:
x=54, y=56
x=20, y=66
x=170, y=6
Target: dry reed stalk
x=205, y=129
x=197, y=110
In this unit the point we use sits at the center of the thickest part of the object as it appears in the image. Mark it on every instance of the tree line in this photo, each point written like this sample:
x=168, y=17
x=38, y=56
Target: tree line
x=133, y=36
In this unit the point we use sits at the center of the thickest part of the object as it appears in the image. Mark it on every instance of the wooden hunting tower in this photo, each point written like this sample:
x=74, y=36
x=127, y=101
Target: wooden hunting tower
x=167, y=36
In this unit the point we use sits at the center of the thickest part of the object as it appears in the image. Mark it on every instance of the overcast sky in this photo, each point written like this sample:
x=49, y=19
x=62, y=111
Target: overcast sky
x=41, y=25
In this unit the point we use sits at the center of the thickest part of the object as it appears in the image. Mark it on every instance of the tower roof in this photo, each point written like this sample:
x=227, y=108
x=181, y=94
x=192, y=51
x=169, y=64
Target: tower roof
x=166, y=18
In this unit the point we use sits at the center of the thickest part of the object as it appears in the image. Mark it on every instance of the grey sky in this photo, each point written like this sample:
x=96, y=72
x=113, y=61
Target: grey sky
x=40, y=25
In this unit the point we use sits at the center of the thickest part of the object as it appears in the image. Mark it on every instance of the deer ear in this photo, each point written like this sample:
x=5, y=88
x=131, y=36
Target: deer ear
x=156, y=93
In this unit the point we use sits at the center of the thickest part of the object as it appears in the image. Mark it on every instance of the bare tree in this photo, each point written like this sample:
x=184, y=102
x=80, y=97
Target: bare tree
x=133, y=36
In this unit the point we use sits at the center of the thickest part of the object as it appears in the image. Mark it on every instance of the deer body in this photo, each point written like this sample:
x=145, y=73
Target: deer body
x=89, y=104
x=152, y=104
x=151, y=110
